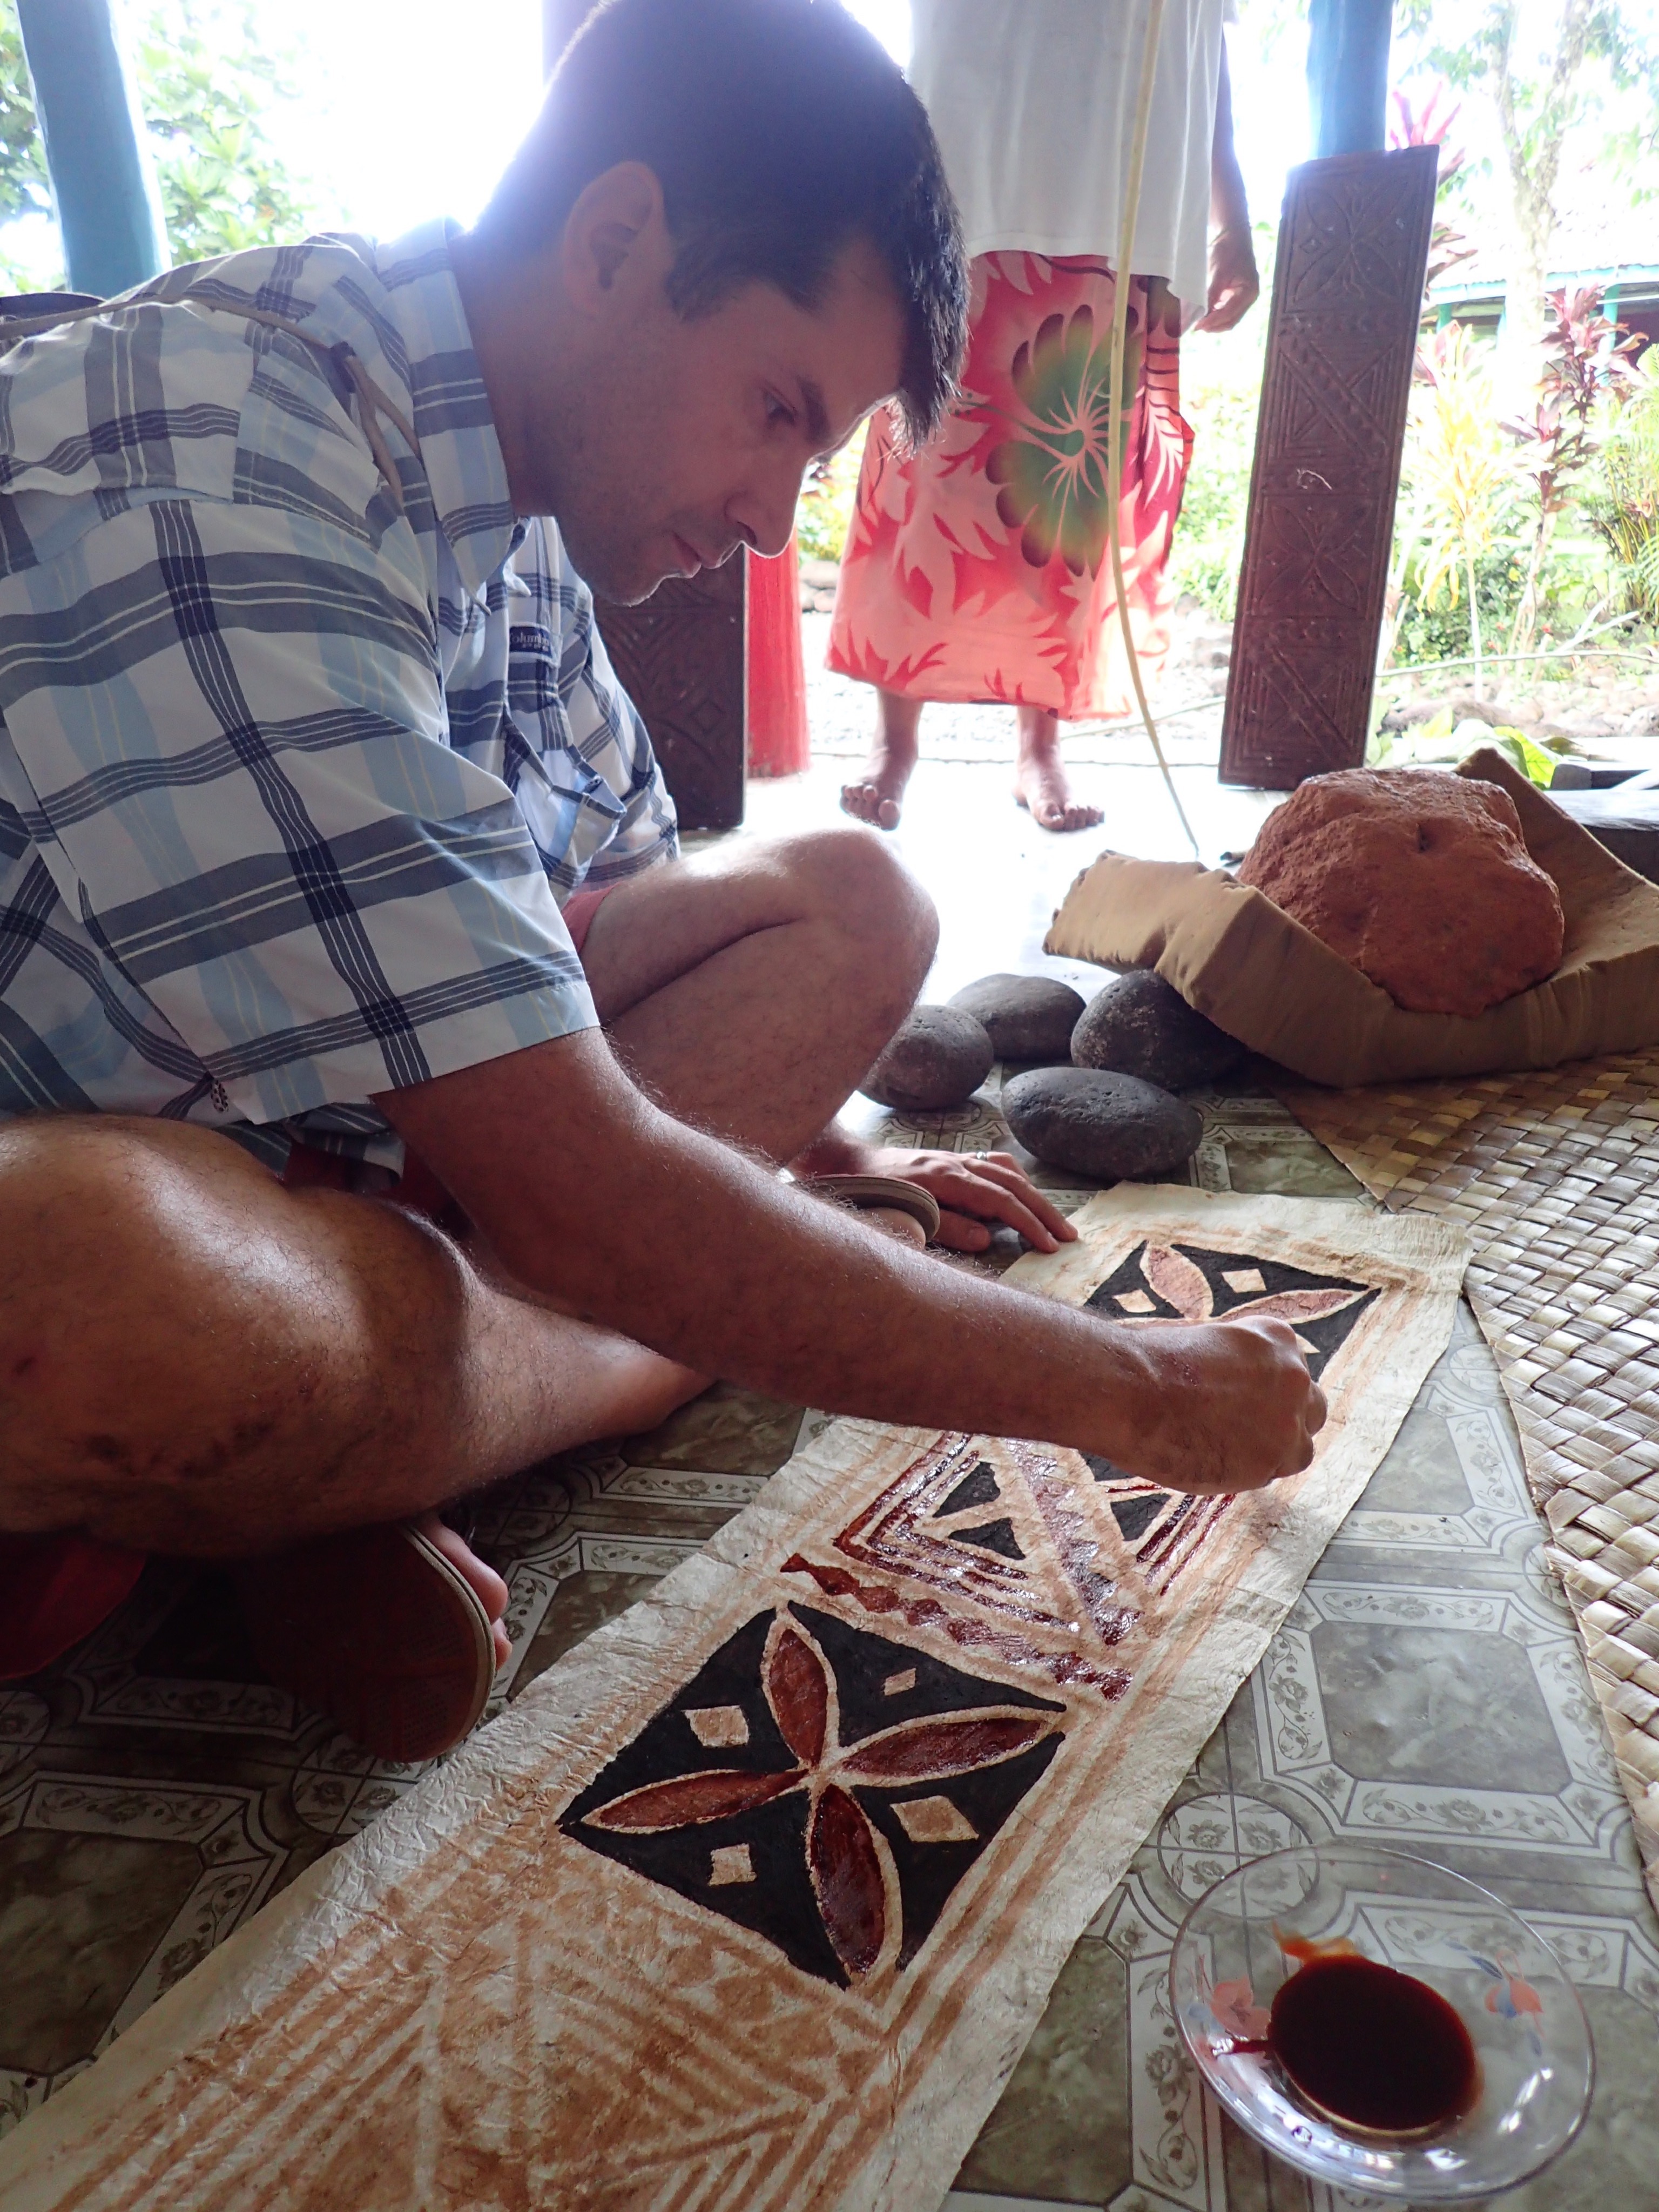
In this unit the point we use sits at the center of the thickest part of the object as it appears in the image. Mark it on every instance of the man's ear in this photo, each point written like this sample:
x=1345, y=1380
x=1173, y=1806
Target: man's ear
x=616, y=237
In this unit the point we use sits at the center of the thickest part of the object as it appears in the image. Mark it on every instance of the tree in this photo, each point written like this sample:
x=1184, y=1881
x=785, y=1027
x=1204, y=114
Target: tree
x=207, y=80
x=1544, y=71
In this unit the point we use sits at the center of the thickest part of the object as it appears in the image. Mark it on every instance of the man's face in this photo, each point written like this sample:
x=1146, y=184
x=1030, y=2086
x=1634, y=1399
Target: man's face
x=678, y=441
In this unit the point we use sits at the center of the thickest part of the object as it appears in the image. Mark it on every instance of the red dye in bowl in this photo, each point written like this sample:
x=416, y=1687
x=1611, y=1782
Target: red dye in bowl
x=1372, y=2047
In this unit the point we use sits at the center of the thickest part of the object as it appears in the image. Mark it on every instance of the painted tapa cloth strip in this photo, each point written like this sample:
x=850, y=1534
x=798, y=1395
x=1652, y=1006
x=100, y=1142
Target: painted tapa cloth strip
x=752, y=1901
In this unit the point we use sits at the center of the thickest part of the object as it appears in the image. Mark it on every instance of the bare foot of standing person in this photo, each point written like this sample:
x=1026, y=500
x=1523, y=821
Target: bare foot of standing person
x=877, y=795
x=1040, y=780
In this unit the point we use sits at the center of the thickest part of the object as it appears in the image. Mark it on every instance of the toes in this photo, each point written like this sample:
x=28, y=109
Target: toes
x=491, y=1589
x=887, y=813
x=857, y=799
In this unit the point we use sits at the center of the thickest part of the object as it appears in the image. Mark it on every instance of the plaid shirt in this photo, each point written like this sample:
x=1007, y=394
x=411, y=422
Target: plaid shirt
x=292, y=785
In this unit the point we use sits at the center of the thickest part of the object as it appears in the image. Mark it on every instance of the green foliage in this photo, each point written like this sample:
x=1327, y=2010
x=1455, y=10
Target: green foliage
x=1432, y=628
x=825, y=513
x=24, y=189
x=1625, y=514
x=1440, y=742
x=208, y=77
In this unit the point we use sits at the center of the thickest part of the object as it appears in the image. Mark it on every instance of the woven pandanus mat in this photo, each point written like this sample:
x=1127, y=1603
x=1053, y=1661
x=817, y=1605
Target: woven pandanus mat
x=1555, y=1174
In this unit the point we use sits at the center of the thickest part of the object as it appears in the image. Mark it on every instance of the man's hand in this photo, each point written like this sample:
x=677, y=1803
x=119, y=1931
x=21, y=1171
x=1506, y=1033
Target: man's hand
x=1234, y=283
x=976, y=1192
x=1238, y=1407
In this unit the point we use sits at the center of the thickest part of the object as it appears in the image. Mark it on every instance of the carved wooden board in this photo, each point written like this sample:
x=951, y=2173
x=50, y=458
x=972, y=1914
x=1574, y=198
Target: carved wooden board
x=680, y=655
x=1347, y=299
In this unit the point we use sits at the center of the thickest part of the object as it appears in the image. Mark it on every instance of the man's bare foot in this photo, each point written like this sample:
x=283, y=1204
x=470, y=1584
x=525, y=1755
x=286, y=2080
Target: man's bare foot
x=491, y=1589
x=1040, y=780
x=877, y=795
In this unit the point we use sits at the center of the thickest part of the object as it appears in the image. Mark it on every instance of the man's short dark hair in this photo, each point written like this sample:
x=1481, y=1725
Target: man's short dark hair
x=780, y=131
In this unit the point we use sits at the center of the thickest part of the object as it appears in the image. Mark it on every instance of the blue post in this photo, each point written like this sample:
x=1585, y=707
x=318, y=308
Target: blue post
x=109, y=210
x=1348, y=74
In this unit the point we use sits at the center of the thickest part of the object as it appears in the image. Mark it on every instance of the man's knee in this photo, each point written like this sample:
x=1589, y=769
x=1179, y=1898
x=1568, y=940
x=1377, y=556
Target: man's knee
x=853, y=878
x=173, y=1327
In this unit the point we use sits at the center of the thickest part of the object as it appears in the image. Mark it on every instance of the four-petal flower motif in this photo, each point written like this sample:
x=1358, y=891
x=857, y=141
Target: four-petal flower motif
x=855, y=1879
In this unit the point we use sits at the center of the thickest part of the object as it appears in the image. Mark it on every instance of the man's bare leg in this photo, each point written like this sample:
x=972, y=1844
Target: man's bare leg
x=750, y=988
x=1040, y=782
x=195, y=1359
x=877, y=795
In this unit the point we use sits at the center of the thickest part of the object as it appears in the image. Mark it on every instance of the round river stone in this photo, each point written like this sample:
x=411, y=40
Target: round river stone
x=1141, y=1025
x=1102, y=1126
x=1026, y=1017
x=938, y=1059
x=1420, y=879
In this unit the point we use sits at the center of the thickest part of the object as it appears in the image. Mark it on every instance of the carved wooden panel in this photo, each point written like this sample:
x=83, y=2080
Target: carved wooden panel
x=680, y=655
x=1347, y=297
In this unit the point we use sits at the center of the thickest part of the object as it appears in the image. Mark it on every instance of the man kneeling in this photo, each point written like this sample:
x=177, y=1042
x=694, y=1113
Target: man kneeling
x=341, y=1172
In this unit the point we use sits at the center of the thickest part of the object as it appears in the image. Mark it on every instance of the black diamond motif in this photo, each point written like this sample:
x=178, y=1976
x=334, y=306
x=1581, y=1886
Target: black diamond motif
x=1135, y=1515
x=1187, y=1282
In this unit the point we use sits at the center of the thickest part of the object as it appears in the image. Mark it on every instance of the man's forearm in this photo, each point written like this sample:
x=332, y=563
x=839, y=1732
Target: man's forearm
x=680, y=1242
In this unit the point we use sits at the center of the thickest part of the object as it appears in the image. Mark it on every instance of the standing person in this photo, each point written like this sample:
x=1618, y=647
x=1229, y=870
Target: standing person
x=978, y=569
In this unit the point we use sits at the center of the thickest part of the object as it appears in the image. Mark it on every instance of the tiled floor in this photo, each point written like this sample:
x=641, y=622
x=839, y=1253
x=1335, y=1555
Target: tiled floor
x=1426, y=1691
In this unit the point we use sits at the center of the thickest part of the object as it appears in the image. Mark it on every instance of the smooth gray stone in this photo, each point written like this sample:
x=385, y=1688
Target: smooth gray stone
x=1102, y=1126
x=938, y=1059
x=1141, y=1025
x=1026, y=1017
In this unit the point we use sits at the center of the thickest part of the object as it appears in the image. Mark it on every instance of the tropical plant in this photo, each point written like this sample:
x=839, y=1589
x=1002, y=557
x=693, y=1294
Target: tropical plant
x=1544, y=71
x=1584, y=358
x=1625, y=515
x=207, y=76
x=824, y=514
x=1460, y=477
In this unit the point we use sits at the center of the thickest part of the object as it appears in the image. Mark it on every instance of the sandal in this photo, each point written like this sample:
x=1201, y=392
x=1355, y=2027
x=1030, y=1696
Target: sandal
x=869, y=1194
x=376, y=1628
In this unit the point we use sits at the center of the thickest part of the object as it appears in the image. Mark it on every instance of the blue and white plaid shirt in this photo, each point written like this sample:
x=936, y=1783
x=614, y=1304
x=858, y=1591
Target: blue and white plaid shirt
x=291, y=785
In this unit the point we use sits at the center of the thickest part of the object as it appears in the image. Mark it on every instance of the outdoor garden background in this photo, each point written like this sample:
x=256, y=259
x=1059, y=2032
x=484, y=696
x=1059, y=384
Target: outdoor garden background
x=1524, y=592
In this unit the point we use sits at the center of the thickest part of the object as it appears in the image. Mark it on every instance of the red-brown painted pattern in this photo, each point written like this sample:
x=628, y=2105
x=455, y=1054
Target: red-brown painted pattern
x=936, y=1749
x=846, y=1878
x=798, y=1693
x=690, y=1798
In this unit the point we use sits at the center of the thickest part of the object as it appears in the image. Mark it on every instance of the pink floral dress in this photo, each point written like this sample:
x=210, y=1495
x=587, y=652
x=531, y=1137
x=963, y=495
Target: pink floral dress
x=979, y=569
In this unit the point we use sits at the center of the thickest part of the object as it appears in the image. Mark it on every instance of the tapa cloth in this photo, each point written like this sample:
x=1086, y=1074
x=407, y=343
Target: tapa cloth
x=291, y=784
x=752, y=1901
x=978, y=569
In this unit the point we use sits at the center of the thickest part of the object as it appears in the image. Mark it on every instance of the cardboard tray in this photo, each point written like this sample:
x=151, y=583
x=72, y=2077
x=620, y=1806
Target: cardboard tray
x=1232, y=954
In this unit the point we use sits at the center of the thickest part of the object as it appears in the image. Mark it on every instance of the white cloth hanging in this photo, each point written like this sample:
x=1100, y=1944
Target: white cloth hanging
x=1033, y=102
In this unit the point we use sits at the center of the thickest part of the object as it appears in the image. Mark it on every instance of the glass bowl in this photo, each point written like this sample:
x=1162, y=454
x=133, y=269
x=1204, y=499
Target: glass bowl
x=1532, y=2042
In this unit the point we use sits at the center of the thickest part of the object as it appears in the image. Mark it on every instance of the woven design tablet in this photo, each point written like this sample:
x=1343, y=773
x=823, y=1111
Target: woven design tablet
x=1556, y=1174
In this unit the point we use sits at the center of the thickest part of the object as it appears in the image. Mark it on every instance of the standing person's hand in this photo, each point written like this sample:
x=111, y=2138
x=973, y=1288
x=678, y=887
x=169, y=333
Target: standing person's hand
x=1234, y=283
